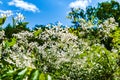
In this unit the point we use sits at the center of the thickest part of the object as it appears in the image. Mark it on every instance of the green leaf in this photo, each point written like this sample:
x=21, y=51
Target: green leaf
x=21, y=74
x=49, y=77
x=2, y=20
x=9, y=73
x=37, y=32
x=42, y=76
x=25, y=23
x=34, y=75
x=10, y=43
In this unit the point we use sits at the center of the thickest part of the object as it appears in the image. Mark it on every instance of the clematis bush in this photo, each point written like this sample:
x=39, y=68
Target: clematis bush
x=63, y=53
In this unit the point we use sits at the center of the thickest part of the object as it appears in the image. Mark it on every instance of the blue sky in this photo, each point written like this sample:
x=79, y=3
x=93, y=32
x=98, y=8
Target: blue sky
x=44, y=11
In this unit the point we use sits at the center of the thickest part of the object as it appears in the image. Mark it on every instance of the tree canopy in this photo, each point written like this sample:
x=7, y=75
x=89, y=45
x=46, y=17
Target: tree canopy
x=102, y=12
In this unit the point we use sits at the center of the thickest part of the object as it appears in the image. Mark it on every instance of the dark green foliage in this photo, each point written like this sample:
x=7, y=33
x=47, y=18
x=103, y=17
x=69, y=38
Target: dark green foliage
x=95, y=55
x=104, y=11
x=9, y=30
x=100, y=13
x=23, y=73
x=2, y=21
x=43, y=27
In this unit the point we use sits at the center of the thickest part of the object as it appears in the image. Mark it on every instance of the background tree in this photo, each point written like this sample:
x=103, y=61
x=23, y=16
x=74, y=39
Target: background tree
x=107, y=9
x=102, y=12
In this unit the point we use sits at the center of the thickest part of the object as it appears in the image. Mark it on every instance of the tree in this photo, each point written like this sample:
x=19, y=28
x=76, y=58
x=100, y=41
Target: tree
x=107, y=9
x=102, y=12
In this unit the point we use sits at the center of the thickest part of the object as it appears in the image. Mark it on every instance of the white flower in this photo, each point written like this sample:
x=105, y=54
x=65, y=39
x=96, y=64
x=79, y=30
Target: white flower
x=3, y=15
x=2, y=34
x=112, y=20
x=19, y=17
x=114, y=50
x=58, y=23
x=6, y=13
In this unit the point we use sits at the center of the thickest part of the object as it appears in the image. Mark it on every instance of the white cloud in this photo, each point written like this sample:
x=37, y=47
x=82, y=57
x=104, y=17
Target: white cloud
x=80, y=4
x=1, y=2
x=24, y=5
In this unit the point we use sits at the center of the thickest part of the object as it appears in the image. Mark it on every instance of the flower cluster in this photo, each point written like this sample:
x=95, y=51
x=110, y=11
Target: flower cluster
x=56, y=49
x=6, y=13
x=19, y=17
x=2, y=34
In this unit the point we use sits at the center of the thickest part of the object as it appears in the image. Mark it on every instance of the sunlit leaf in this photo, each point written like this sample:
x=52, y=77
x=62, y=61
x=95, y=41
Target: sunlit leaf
x=34, y=75
x=2, y=20
x=42, y=76
x=21, y=74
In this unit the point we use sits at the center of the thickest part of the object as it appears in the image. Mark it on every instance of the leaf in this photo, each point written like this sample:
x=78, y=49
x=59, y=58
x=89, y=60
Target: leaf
x=21, y=74
x=12, y=42
x=2, y=20
x=25, y=23
x=42, y=76
x=9, y=73
x=49, y=77
x=37, y=32
x=34, y=75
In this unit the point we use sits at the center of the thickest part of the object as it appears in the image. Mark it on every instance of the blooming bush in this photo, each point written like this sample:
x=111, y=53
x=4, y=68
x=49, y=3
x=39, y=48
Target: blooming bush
x=63, y=53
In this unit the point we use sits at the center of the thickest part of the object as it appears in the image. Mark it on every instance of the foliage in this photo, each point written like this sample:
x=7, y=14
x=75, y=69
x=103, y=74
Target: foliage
x=9, y=29
x=106, y=10
x=62, y=53
x=91, y=51
x=98, y=14
x=2, y=20
x=24, y=74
